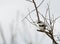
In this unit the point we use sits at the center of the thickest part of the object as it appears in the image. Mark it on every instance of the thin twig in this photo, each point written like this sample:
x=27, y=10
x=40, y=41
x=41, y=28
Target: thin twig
x=31, y=22
x=30, y=16
x=29, y=1
x=33, y=10
x=49, y=15
x=45, y=19
x=36, y=11
x=56, y=18
x=53, y=23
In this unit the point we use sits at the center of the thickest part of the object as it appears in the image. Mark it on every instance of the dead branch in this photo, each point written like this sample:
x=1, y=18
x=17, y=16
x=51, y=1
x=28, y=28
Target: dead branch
x=36, y=11
x=33, y=10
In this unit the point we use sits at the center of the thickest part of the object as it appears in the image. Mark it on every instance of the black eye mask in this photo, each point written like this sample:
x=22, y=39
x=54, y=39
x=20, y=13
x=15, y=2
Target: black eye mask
x=39, y=22
x=42, y=25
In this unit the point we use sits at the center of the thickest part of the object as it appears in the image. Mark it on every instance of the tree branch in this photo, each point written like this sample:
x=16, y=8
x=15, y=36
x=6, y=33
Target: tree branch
x=33, y=10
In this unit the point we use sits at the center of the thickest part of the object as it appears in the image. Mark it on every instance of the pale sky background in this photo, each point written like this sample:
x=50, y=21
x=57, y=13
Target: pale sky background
x=8, y=13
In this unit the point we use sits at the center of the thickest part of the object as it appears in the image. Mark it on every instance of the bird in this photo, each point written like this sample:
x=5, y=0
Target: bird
x=42, y=25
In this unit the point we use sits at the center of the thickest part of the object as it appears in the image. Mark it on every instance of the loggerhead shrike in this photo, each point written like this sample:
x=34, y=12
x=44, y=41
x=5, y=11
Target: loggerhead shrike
x=42, y=26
